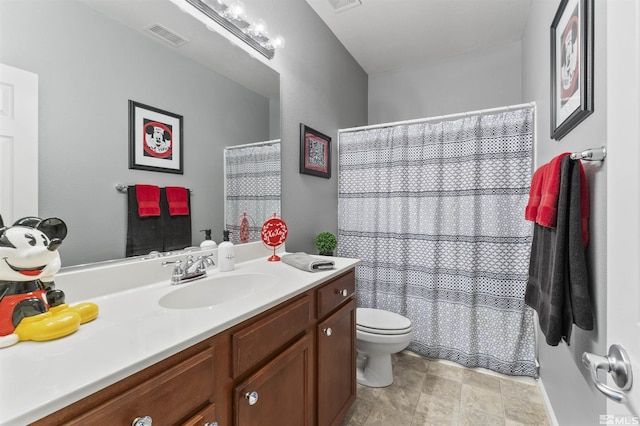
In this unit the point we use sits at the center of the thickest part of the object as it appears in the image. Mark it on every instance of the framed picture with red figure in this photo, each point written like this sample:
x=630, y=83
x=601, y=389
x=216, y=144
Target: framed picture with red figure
x=155, y=139
x=571, y=66
x=315, y=152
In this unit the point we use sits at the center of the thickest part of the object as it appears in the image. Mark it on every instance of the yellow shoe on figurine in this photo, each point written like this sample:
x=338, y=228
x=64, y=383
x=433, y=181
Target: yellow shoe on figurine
x=48, y=326
x=88, y=311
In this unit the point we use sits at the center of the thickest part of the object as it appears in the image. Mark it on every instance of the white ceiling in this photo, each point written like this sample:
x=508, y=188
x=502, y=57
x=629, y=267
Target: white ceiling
x=385, y=35
x=382, y=35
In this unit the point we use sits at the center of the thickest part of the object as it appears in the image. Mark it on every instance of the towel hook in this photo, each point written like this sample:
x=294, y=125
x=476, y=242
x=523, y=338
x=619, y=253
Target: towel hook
x=121, y=187
x=593, y=154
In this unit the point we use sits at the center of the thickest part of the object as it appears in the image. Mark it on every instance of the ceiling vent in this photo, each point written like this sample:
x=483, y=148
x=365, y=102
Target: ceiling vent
x=342, y=5
x=167, y=35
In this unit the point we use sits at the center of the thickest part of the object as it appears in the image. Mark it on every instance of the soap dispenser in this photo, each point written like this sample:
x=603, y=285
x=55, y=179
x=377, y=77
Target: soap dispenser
x=208, y=242
x=226, y=254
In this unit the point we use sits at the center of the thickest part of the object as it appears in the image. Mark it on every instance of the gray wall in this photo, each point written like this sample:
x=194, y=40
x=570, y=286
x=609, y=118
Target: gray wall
x=322, y=86
x=573, y=397
x=89, y=67
x=483, y=79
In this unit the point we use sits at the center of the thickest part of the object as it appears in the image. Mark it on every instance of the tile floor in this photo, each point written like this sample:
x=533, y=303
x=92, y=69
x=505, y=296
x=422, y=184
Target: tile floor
x=431, y=392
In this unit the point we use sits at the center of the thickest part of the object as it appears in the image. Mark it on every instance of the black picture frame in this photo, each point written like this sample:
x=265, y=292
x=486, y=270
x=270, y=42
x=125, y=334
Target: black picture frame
x=155, y=139
x=315, y=152
x=571, y=66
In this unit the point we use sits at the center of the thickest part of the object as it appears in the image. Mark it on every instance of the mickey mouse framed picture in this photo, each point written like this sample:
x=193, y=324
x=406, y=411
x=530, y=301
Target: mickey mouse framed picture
x=571, y=66
x=155, y=139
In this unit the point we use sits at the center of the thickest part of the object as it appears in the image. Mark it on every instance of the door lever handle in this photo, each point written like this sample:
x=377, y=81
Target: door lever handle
x=617, y=364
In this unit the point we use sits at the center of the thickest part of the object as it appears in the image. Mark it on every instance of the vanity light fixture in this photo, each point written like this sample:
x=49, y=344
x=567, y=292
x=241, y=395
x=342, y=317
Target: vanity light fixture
x=232, y=16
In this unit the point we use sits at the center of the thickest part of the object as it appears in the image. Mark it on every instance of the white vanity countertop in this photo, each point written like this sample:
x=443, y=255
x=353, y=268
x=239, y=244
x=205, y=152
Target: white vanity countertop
x=132, y=332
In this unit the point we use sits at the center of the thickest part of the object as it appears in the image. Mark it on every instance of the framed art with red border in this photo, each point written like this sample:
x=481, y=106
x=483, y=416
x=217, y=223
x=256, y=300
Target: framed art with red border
x=155, y=139
x=315, y=152
x=571, y=66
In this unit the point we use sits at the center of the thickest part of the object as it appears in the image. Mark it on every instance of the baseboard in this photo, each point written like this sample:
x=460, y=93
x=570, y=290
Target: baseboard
x=547, y=404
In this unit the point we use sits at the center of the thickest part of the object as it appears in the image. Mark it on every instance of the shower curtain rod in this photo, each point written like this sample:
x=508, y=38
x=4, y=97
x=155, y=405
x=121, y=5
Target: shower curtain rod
x=247, y=145
x=437, y=118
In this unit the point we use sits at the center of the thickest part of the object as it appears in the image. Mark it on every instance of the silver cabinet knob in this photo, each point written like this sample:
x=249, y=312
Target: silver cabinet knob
x=142, y=421
x=211, y=424
x=344, y=292
x=252, y=397
x=617, y=364
x=328, y=331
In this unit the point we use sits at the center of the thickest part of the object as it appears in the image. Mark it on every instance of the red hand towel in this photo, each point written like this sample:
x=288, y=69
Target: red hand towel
x=177, y=200
x=148, y=197
x=535, y=194
x=543, y=194
x=548, y=209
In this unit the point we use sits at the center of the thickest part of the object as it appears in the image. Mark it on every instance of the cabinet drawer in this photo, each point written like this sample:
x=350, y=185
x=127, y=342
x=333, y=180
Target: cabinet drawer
x=255, y=342
x=169, y=398
x=334, y=293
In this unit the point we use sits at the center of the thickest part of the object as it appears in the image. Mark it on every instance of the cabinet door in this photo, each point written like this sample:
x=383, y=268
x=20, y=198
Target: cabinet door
x=278, y=393
x=336, y=365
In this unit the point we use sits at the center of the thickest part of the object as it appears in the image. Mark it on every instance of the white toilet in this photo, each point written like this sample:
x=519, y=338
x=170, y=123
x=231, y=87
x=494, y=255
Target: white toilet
x=379, y=334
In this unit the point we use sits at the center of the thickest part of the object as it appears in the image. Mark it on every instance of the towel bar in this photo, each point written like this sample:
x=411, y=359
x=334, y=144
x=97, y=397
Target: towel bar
x=120, y=187
x=593, y=154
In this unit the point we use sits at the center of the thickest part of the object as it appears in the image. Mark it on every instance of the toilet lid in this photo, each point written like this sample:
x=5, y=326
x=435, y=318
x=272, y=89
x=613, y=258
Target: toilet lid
x=379, y=321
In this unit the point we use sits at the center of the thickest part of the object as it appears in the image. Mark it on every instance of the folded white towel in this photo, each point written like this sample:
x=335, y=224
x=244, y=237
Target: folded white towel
x=307, y=262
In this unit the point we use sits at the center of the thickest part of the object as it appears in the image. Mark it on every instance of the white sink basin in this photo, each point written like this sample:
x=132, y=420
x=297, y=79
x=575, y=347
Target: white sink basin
x=217, y=290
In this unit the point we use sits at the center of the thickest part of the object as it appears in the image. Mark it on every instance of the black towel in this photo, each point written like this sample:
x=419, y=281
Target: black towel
x=156, y=233
x=144, y=234
x=558, y=286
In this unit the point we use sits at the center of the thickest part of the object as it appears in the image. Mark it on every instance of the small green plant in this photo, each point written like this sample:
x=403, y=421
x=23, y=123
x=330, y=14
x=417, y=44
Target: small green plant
x=326, y=242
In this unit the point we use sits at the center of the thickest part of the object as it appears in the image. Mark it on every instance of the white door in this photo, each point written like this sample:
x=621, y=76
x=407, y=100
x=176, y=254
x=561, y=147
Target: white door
x=18, y=143
x=623, y=194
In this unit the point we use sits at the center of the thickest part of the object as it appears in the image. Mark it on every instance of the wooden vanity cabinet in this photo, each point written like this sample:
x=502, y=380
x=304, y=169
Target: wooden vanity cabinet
x=309, y=382
x=293, y=365
x=272, y=367
x=336, y=349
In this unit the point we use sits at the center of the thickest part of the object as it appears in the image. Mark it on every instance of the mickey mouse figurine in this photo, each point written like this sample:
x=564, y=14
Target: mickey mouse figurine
x=31, y=308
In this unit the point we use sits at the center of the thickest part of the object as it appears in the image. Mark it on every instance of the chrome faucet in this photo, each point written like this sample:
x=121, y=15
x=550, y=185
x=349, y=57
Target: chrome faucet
x=193, y=270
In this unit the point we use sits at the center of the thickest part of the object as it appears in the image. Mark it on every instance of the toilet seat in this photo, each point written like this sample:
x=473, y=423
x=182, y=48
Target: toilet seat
x=383, y=331
x=378, y=321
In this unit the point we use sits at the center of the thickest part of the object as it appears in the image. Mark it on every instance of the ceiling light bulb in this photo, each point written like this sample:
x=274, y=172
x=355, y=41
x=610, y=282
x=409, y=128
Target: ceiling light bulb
x=236, y=10
x=259, y=28
x=277, y=42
